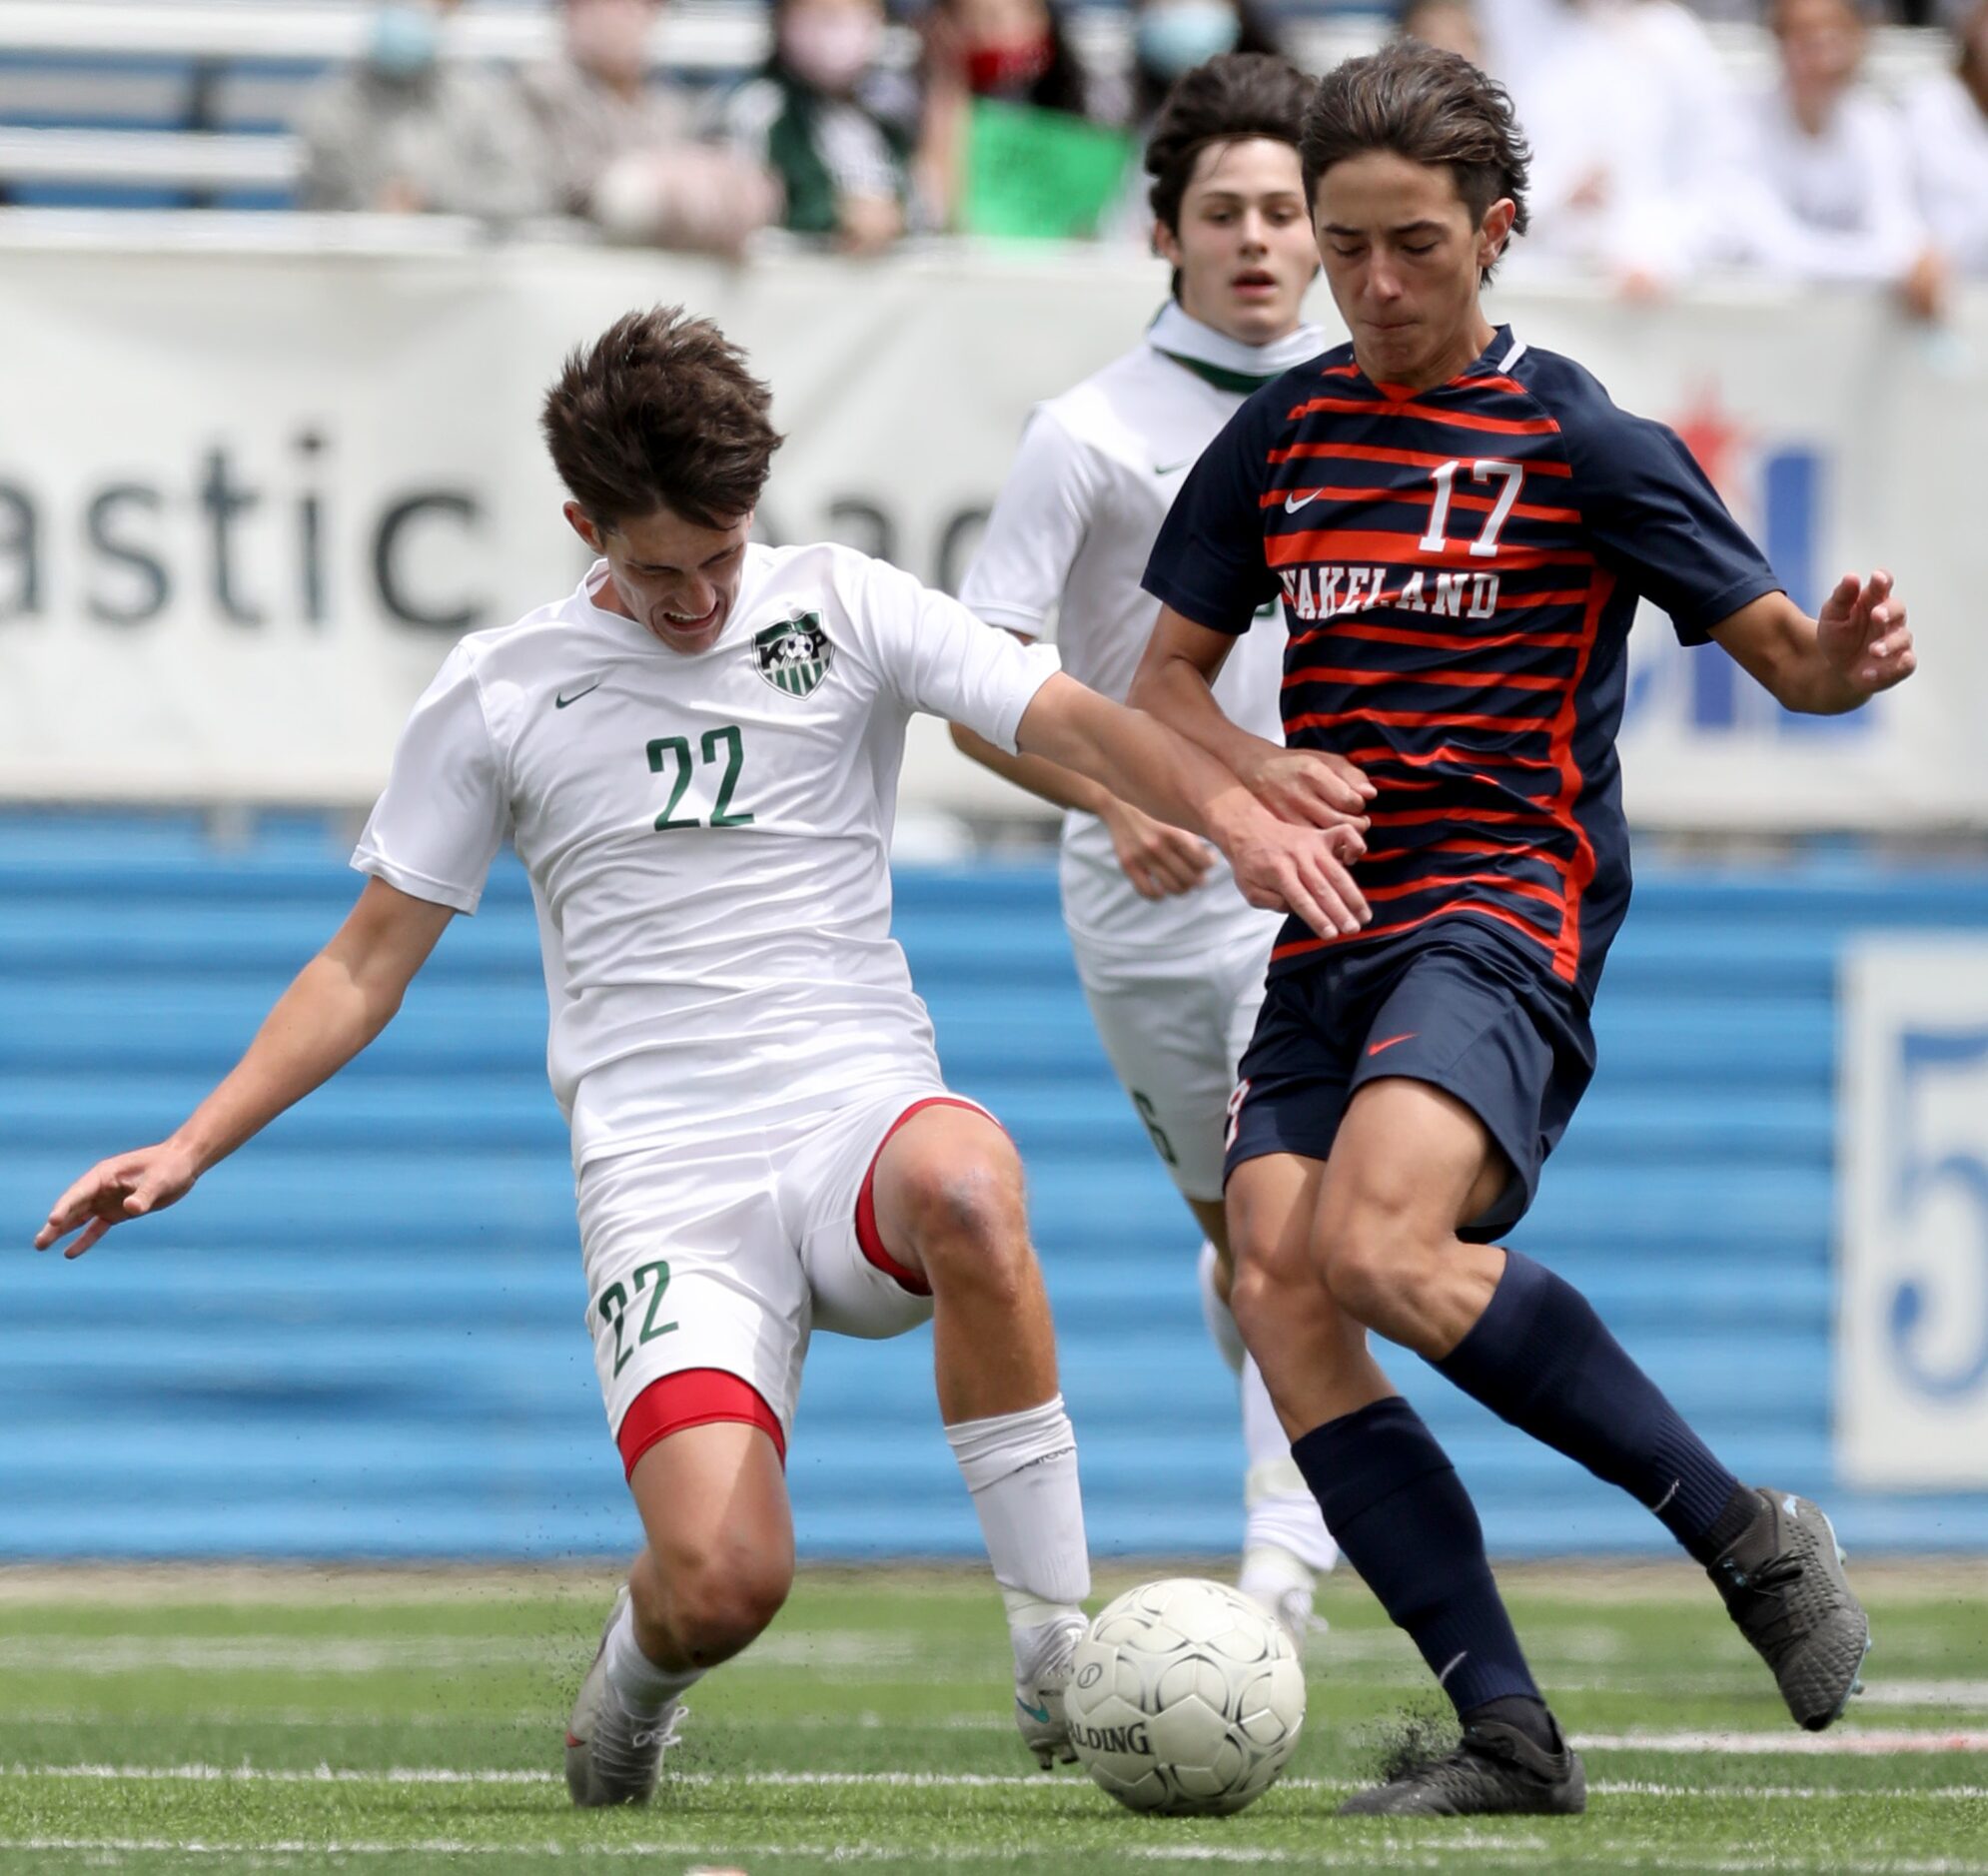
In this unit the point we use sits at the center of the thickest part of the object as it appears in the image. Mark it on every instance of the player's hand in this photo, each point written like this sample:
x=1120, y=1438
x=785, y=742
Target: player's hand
x=1312, y=788
x=1161, y=862
x=1299, y=871
x=128, y=1185
x=1861, y=630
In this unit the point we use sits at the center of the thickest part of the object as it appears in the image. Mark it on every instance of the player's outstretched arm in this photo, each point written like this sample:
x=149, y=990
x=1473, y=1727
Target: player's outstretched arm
x=1159, y=860
x=1823, y=666
x=335, y=1006
x=1174, y=681
x=1276, y=863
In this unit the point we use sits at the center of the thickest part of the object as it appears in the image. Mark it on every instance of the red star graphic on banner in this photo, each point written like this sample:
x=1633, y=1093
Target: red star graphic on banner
x=1713, y=439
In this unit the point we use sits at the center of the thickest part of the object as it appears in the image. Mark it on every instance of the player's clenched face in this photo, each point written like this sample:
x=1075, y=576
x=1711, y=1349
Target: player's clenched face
x=673, y=576
x=1243, y=244
x=1403, y=256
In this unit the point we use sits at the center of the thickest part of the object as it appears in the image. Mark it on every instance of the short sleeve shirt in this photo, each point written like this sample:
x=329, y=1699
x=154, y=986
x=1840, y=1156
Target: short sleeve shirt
x=1458, y=568
x=708, y=836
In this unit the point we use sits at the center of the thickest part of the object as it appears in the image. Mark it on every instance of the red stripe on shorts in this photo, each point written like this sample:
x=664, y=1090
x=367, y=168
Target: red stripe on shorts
x=694, y=1396
x=868, y=1239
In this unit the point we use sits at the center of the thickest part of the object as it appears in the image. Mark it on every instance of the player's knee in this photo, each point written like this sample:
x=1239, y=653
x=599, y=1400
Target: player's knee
x=968, y=1221
x=1273, y=1286
x=1373, y=1258
x=717, y=1604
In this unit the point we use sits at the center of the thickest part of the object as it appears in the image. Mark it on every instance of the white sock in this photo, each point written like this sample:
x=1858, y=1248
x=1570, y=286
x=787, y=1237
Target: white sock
x=1022, y=1471
x=1221, y=1320
x=1269, y=1572
x=642, y=1687
x=1277, y=1505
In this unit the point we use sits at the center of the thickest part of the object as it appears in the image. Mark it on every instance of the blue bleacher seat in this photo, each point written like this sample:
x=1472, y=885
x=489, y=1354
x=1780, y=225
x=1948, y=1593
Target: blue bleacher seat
x=362, y=1336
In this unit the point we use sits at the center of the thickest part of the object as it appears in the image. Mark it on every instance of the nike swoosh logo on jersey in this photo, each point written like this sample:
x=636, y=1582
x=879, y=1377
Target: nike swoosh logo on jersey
x=1292, y=504
x=560, y=702
x=1374, y=1048
x=1173, y=469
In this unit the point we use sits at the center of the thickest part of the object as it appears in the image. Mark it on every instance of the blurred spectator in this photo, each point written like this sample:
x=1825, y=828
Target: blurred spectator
x=1018, y=51
x=1170, y=37
x=621, y=151
x=1449, y=25
x=1946, y=117
x=820, y=116
x=406, y=131
x=1822, y=186
x=1594, y=110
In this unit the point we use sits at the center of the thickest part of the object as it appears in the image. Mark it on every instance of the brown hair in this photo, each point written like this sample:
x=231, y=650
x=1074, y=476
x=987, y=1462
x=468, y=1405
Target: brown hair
x=1237, y=95
x=1429, y=105
x=661, y=410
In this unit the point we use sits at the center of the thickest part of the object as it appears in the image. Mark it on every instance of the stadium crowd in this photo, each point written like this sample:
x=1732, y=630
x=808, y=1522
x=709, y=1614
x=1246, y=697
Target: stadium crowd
x=1652, y=162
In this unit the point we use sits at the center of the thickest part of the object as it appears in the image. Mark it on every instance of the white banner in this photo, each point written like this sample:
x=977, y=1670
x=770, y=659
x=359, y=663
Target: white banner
x=248, y=499
x=1912, y=1295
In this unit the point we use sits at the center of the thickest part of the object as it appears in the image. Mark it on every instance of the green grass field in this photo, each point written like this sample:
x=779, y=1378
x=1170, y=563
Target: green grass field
x=176, y=1720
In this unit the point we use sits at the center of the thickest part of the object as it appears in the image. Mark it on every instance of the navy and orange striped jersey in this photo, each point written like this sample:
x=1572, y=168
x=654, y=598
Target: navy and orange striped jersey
x=1459, y=570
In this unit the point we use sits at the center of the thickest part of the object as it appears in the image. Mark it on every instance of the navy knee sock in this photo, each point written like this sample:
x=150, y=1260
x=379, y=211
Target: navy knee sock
x=1401, y=1514
x=1541, y=1359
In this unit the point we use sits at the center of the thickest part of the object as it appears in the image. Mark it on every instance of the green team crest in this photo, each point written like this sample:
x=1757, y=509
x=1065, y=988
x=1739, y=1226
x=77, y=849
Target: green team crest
x=794, y=656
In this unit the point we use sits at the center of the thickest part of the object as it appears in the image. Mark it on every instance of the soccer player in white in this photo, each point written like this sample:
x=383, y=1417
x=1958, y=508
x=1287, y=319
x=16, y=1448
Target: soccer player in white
x=696, y=754
x=1171, y=956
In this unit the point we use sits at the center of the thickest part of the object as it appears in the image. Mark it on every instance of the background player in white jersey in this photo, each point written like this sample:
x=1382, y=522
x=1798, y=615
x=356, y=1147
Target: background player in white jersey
x=1170, y=955
x=696, y=754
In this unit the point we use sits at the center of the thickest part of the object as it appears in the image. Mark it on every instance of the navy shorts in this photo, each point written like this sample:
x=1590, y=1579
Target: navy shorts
x=1459, y=1012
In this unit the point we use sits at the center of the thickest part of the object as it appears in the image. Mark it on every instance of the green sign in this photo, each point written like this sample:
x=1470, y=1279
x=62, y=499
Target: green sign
x=1039, y=174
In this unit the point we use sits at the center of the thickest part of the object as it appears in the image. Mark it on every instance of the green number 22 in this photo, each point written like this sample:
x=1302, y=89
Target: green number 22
x=677, y=749
x=614, y=1307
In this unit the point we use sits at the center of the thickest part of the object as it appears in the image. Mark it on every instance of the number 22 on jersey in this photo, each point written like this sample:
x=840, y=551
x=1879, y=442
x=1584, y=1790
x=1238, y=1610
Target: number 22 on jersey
x=673, y=754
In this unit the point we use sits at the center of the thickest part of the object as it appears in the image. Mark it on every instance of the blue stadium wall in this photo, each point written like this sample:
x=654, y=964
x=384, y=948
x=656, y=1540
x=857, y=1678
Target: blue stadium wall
x=363, y=1337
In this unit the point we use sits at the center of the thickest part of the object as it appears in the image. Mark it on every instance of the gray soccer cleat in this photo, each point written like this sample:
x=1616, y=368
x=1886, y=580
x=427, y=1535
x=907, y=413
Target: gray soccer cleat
x=1783, y=1584
x=1494, y=1770
x=612, y=1757
x=1040, y=1679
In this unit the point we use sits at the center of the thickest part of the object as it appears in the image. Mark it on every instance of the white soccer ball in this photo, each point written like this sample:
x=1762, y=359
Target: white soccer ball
x=1185, y=1699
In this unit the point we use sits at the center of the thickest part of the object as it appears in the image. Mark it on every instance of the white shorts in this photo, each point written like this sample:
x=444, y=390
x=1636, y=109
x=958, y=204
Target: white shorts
x=1175, y=1030
x=724, y=1256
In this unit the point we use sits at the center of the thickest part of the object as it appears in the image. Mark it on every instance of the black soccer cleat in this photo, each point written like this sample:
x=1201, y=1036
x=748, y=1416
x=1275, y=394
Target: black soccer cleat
x=1494, y=1771
x=1783, y=1584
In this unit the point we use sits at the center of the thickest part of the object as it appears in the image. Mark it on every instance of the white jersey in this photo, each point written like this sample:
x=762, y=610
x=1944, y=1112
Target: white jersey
x=1067, y=546
x=708, y=836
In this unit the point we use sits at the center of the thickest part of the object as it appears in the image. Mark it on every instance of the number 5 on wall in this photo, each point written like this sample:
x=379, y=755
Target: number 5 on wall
x=1912, y=1276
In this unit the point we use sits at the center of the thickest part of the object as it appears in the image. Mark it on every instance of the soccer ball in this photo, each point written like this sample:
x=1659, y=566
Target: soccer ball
x=1185, y=1699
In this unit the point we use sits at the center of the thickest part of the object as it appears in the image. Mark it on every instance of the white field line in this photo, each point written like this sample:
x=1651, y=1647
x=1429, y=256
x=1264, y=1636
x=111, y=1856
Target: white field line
x=1398, y=1853
x=926, y=1781
x=1378, y=1655
x=873, y=1722
x=1857, y=1744
x=1960, y=1693
x=846, y=1650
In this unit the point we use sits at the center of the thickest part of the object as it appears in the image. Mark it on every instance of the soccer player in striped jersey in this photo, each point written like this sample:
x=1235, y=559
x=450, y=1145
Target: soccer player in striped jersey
x=1459, y=527
x=695, y=753
x=1171, y=956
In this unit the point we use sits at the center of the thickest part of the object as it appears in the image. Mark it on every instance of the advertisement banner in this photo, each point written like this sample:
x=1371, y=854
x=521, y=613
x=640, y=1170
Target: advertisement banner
x=248, y=499
x=1912, y=1290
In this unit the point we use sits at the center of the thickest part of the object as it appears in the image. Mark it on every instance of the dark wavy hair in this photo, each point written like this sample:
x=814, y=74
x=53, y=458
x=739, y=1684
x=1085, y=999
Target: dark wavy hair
x=1237, y=95
x=660, y=411
x=1429, y=105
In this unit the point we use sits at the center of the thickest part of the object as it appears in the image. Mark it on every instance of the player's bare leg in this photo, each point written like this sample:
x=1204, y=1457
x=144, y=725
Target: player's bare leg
x=717, y=1565
x=1530, y=1347
x=1286, y=1547
x=950, y=1207
x=1314, y=1356
x=1390, y=1493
